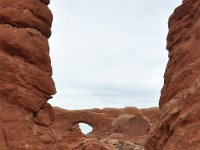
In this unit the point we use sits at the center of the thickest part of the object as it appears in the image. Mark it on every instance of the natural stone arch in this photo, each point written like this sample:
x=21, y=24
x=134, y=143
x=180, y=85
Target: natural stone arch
x=90, y=118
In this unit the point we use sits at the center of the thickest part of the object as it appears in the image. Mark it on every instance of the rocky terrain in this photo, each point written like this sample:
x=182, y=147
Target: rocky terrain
x=115, y=129
x=28, y=122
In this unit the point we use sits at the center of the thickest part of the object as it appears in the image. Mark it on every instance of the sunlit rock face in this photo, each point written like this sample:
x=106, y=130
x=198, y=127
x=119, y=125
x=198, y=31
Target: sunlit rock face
x=25, y=76
x=179, y=126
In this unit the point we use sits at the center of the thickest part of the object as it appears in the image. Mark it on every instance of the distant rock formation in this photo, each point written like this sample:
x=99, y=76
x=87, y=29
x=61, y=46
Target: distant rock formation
x=25, y=76
x=112, y=128
x=179, y=126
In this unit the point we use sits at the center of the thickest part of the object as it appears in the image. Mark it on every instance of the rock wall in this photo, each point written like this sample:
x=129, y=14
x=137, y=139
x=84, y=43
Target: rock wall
x=25, y=76
x=179, y=126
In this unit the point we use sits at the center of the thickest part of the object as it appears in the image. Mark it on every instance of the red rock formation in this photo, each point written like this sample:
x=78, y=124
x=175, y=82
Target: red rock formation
x=179, y=126
x=25, y=76
x=111, y=127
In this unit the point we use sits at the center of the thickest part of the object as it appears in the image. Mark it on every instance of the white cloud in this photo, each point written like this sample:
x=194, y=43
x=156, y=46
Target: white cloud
x=109, y=53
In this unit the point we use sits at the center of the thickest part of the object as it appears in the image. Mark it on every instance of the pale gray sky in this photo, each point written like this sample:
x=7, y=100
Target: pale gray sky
x=109, y=53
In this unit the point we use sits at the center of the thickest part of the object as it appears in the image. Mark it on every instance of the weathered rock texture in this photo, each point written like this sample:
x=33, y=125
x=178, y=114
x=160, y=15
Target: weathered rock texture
x=179, y=125
x=113, y=129
x=25, y=76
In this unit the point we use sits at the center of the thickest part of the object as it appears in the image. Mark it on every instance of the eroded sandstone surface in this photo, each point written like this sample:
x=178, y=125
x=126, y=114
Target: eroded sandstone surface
x=25, y=76
x=179, y=126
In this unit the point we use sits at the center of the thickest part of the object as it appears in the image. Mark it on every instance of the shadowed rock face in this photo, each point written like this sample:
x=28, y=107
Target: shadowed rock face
x=179, y=126
x=25, y=76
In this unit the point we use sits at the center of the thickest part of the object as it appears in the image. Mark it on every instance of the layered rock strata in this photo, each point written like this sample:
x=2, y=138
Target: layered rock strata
x=179, y=126
x=25, y=76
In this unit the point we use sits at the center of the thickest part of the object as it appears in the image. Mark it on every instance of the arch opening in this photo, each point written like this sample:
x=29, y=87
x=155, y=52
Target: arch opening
x=85, y=128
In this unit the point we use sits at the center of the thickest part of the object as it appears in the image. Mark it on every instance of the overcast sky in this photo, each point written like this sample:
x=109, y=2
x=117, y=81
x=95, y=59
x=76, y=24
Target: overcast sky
x=109, y=53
